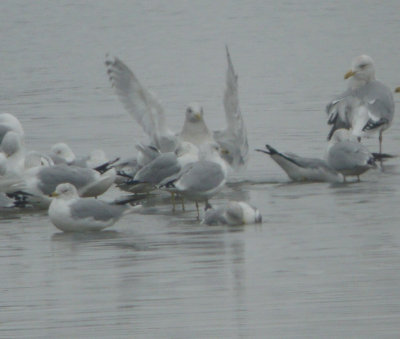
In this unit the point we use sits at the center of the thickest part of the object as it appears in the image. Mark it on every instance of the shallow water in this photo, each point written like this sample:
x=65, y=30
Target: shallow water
x=324, y=263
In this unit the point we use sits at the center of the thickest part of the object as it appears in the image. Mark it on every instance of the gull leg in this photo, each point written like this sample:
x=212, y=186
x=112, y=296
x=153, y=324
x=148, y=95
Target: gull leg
x=197, y=208
x=380, y=148
x=173, y=201
x=183, y=203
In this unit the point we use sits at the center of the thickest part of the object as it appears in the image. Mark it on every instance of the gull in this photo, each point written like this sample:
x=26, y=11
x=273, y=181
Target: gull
x=366, y=107
x=348, y=156
x=12, y=146
x=161, y=168
x=61, y=153
x=70, y=213
x=9, y=122
x=39, y=182
x=202, y=179
x=303, y=169
x=143, y=106
x=234, y=213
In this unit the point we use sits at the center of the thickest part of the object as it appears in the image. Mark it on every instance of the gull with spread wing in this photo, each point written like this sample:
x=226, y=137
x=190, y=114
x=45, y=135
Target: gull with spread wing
x=143, y=106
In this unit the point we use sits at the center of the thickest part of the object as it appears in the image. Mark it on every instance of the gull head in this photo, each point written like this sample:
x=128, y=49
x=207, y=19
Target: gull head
x=194, y=112
x=342, y=134
x=66, y=190
x=63, y=151
x=362, y=69
x=11, y=144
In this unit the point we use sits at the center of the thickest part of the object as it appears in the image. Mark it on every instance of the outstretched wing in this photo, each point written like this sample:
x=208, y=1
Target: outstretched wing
x=140, y=104
x=234, y=137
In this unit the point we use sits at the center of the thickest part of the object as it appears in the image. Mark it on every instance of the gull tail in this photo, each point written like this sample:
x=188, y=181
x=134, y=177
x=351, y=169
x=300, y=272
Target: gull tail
x=382, y=156
x=106, y=166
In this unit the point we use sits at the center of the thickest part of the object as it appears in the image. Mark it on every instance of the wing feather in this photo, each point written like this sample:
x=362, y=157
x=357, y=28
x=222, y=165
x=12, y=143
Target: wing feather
x=234, y=137
x=140, y=103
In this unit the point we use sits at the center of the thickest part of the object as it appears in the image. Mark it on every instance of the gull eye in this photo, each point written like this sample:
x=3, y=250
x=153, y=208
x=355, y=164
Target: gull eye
x=363, y=65
x=189, y=110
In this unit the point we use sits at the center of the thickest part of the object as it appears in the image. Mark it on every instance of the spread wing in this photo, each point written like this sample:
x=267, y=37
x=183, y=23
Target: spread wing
x=141, y=104
x=234, y=137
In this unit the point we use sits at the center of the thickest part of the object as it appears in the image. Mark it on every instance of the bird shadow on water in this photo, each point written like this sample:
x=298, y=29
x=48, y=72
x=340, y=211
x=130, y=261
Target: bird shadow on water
x=85, y=236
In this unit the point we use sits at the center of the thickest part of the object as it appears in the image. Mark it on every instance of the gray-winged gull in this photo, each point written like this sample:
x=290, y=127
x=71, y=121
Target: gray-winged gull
x=348, y=156
x=70, y=213
x=366, y=107
x=303, y=169
x=39, y=182
x=202, y=179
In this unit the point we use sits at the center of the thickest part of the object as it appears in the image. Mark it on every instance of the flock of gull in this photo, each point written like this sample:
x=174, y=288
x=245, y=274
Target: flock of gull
x=191, y=165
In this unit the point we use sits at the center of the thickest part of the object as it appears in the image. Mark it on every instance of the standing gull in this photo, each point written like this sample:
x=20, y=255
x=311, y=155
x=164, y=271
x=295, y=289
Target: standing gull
x=366, y=107
x=70, y=213
x=201, y=180
x=143, y=106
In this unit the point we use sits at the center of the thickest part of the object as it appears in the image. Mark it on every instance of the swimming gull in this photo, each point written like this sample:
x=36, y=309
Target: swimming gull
x=143, y=106
x=303, y=169
x=70, y=213
x=366, y=107
x=234, y=213
x=39, y=182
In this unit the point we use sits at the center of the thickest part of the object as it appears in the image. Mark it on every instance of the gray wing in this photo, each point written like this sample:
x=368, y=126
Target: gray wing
x=234, y=137
x=348, y=155
x=96, y=209
x=339, y=110
x=378, y=99
x=364, y=108
x=140, y=104
x=308, y=162
x=160, y=168
x=50, y=177
x=201, y=176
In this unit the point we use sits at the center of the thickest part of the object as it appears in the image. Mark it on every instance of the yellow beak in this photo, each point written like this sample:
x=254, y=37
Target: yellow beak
x=224, y=151
x=54, y=194
x=198, y=116
x=349, y=74
x=397, y=90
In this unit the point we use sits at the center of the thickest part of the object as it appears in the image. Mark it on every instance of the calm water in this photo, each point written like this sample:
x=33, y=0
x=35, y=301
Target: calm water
x=325, y=261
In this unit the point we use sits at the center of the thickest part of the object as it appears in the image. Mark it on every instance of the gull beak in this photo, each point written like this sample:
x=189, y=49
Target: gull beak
x=224, y=151
x=397, y=90
x=54, y=194
x=198, y=116
x=349, y=74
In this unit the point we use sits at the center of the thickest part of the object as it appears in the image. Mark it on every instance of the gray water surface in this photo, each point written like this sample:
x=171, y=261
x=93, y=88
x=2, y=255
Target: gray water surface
x=325, y=261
